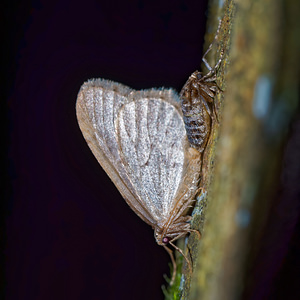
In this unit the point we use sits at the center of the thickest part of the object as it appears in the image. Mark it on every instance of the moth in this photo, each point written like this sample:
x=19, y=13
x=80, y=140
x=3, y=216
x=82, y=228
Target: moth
x=197, y=102
x=139, y=139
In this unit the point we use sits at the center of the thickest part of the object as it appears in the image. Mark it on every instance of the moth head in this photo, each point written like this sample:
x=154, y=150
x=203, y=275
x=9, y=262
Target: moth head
x=160, y=238
x=197, y=75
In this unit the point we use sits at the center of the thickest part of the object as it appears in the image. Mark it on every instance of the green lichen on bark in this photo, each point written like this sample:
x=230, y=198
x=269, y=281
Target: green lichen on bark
x=259, y=77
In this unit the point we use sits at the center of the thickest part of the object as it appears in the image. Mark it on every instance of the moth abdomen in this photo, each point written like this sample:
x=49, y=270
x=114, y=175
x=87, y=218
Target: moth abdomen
x=197, y=106
x=197, y=101
x=197, y=124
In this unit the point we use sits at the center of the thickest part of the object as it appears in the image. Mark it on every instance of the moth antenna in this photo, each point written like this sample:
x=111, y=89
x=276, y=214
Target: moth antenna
x=209, y=49
x=173, y=263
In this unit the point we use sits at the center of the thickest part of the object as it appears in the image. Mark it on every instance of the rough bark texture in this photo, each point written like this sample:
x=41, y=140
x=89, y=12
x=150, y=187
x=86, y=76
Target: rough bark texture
x=241, y=167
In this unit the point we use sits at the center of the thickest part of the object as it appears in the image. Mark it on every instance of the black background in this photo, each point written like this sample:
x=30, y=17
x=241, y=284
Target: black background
x=68, y=232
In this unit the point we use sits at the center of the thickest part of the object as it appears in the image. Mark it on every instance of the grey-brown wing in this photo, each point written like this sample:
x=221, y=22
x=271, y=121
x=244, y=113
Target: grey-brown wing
x=97, y=107
x=153, y=144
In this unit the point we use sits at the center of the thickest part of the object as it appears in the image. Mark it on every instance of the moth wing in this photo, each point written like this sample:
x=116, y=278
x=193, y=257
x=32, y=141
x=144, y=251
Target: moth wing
x=97, y=107
x=153, y=144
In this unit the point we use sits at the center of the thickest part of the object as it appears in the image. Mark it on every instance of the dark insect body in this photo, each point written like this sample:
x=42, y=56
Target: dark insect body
x=197, y=97
x=197, y=103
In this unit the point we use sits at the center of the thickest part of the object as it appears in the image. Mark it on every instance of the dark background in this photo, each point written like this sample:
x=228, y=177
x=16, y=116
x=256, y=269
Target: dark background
x=69, y=234
x=66, y=231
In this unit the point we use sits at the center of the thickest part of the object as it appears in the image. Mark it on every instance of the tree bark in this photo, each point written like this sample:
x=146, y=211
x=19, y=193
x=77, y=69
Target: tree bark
x=242, y=162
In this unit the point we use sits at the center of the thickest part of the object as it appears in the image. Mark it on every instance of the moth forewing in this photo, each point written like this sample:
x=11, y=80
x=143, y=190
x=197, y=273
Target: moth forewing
x=94, y=98
x=152, y=140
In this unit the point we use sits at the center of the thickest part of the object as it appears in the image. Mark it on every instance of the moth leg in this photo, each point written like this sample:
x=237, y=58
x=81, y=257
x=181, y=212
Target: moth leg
x=214, y=114
x=173, y=263
x=210, y=99
x=190, y=255
x=196, y=231
x=181, y=252
x=212, y=81
x=187, y=231
x=202, y=190
x=205, y=87
x=179, y=236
